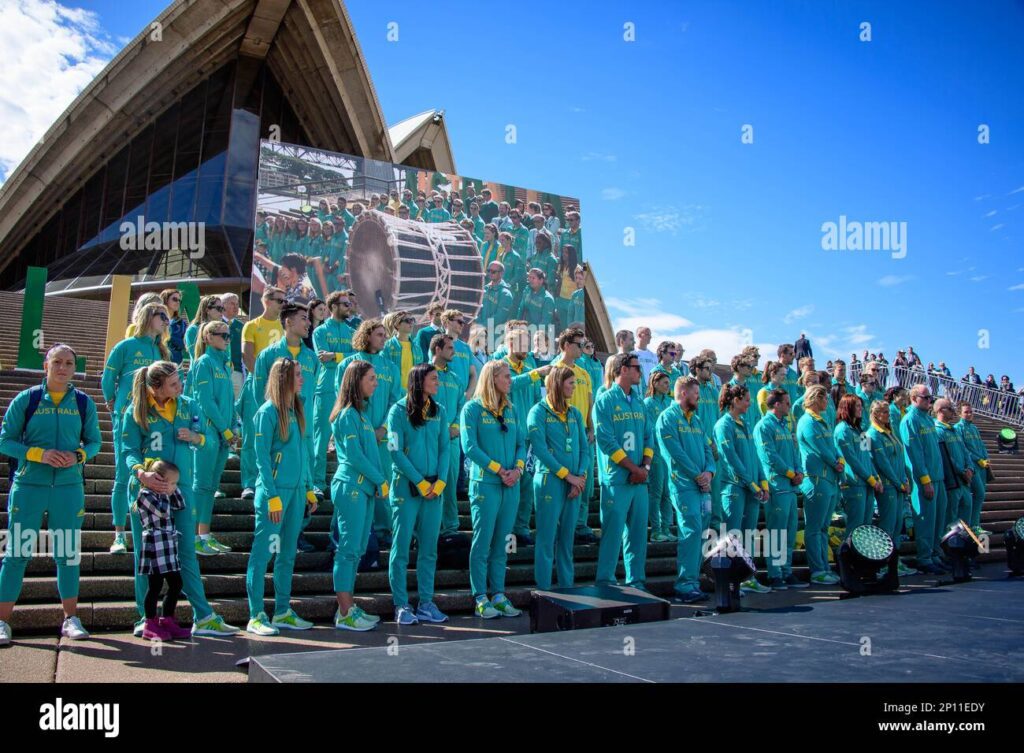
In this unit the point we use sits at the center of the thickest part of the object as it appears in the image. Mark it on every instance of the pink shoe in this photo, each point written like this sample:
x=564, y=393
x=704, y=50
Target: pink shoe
x=153, y=631
x=173, y=629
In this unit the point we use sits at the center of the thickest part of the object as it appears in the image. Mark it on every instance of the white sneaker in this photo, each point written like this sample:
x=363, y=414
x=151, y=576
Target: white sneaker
x=504, y=606
x=72, y=629
x=352, y=621
x=260, y=625
x=119, y=546
x=139, y=627
x=5, y=634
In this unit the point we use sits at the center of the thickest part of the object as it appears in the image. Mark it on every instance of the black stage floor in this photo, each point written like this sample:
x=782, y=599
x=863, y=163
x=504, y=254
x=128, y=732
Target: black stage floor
x=970, y=632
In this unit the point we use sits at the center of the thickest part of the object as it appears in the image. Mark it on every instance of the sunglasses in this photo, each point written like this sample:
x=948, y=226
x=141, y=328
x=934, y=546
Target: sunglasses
x=174, y=300
x=282, y=301
x=224, y=335
x=215, y=308
x=408, y=320
x=163, y=316
x=460, y=322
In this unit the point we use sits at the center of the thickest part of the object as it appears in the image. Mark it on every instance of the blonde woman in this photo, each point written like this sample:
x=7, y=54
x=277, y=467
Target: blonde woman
x=144, y=300
x=210, y=310
x=401, y=349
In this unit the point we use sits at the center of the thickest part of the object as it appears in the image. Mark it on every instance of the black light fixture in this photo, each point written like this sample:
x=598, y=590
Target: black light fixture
x=868, y=562
x=729, y=565
x=1006, y=441
x=1013, y=537
x=961, y=546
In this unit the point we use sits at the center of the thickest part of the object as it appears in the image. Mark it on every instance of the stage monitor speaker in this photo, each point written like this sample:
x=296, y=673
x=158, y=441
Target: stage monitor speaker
x=593, y=606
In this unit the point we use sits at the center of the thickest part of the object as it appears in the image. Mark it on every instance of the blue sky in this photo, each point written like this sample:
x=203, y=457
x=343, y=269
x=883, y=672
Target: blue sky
x=728, y=235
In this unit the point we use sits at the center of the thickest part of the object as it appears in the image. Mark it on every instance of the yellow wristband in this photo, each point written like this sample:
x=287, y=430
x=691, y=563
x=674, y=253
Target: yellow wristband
x=424, y=487
x=562, y=472
x=81, y=455
x=764, y=484
x=493, y=467
x=926, y=479
x=790, y=474
x=339, y=357
x=311, y=497
x=35, y=454
x=755, y=487
x=439, y=487
x=520, y=464
x=617, y=456
x=384, y=489
x=228, y=434
x=648, y=452
x=871, y=480
x=274, y=504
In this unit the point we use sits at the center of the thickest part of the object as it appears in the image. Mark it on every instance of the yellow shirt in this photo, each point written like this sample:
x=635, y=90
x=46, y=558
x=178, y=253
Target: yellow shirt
x=295, y=351
x=262, y=332
x=168, y=411
x=568, y=286
x=56, y=397
x=407, y=363
x=581, y=396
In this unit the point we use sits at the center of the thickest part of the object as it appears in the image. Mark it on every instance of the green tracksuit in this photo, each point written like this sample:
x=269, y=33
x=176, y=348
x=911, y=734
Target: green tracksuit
x=596, y=372
x=820, y=486
x=492, y=505
x=958, y=500
x=887, y=457
x=742, y=476
x=978, y=455
x=462, y=361
x=330, y=337
x=525, y=393
x=866, y=401
x=707, y=409
x=282, y=478
x=438, y=214
x=417, y=452
x=537, y=308
x=577, y=308
x=685, y=451
x=159, y=440
x=358, y=478
x=548, y=264
x=857, y=485
x=39, y=488
x=921, y=447
x=520, y=239
x=388, y=392
x=515, y=275
x=423, y=336
x=452, y=396
x=753, y=414
x=779, y=456
x=191, y=335
x=127, y=357
x=497, y=307
x=559, y=445
x=210, y=385
x=790, y=385
x=622, y=430
x=659, y=503
x=393, y=352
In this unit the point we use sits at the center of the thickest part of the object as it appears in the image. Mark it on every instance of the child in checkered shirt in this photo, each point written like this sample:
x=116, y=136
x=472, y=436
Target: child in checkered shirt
x=158, y=553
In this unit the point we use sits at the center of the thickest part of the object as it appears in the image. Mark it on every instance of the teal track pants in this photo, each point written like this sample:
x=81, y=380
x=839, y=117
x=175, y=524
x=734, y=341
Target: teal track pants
x=556, y=530
x=210, y=460
x=623, y=526
x=717, y=517
x=381, y=518
x=450, y=513
x=323, y=403
x=890, y=509
x=959, y=504
x=423, y=517
x=818, y=508
x=353, y=513
x=659, y=513
x=686, y=503
x=277, y=540
x=583, y=517
x=119, y=501
x=493, y=509
x=248, y=457
x=928, y=517
x=858, y=502
x=65, y=509
x=192, y=581
x=741, y=510
x=525, y=512
x=977, y=496
x=780, y=522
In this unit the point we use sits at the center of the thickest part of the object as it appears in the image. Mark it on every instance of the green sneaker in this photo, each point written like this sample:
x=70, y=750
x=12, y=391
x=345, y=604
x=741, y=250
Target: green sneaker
x=205, y=549
x=753, y=585
x=368, y=617
x=822, y=579
x=260, y=625
x=658, y=537
x=352, y=621
x=504, y=606
x=213, y=625
x=485, y=609
x=120, y=546
x=217, y=545
x=290, y=621
x=903, y=571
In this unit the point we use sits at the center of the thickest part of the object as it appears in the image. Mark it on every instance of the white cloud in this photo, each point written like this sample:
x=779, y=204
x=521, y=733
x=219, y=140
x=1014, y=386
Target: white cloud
x=673, y=219
x=612, y=193
x=51, y=52
x=991, y=214
x=979, y=278
x=983, y=197
x=1016, y=190
x=1000, y=226
x=631, y=313
x=1017, y=287
x=597, y=156
x=892, y=280
x=858, y=334
x=798, y=313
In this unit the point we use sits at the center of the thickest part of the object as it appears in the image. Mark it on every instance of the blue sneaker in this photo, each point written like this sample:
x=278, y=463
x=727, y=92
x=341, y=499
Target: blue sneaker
x=404, y=616
x=428, y=612
x=692, y=597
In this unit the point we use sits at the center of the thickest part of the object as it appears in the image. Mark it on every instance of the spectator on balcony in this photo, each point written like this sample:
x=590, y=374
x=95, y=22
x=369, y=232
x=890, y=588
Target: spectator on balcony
x=648, y=360
x=803, y=347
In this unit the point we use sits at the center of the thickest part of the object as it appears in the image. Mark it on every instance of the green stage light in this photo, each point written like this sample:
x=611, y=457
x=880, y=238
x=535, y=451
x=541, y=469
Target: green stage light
x=1014, y=540
x=868, y=562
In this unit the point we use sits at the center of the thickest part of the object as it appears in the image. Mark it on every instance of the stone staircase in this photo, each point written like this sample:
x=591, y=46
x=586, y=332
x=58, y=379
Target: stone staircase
x=106, y=600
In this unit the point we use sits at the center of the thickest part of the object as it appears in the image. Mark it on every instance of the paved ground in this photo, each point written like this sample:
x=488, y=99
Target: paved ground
x=120, y=657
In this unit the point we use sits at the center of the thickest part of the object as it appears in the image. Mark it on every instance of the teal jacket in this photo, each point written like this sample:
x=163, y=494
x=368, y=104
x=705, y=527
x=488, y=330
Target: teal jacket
x=548, y=264
x=707, y=407
x=191, y=335
x=462, y=361
x=52, y=427
x=895, y=419
x=451, y=395
x=393, y=352
x=423, y=337
x=753, y=414
x=921, y=445
x=537, y=308
x=280, y=464
x=622, y=430
x=777, y=452
x=526, y=388
x=358, y=458
x=209, y=381
x=488, y=448
x=497, y=306
x=817, y=448
x=791, y=386
x=159, y=439
x=306, y=358
x=389, y=385
x=887, y=456
x=577, y=307
x=973, y=444
x=683, y=446
x=958, y=455
x=737, y=454
x=127, y=357
x=859, y=468
x=417, y=451
x=334, y=337
x=559, y=442
x=655, y=406
x=866, y=401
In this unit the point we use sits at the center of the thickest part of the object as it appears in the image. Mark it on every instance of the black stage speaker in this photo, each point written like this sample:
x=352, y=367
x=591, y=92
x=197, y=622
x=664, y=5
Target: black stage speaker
x=593, y=606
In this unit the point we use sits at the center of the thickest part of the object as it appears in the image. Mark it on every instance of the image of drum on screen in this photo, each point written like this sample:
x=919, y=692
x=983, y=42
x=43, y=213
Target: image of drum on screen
x=397, y=264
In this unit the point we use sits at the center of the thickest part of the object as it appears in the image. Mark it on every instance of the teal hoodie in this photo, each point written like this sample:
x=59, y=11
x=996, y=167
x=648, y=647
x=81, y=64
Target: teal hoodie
x=159, y=439
x=777, y=452
x=127, y=357
x=451, y=395
x=52, y=427
x=389, y=385
x=958, y=456
x=887, y=456
x=497, y=306
x=358, y=458
x=683, y=445
x=737, y=454
x=334, y=337
x=417, y=451
x=559, y=442
x=209, y=382
x=525, y=392
x=859, y=468
x=537, y=307
x=921, y=446
x=488, y=448
x=622, y=430
x=817, y=447
x=281, y=463
x=307, y=360
x=973, y=444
